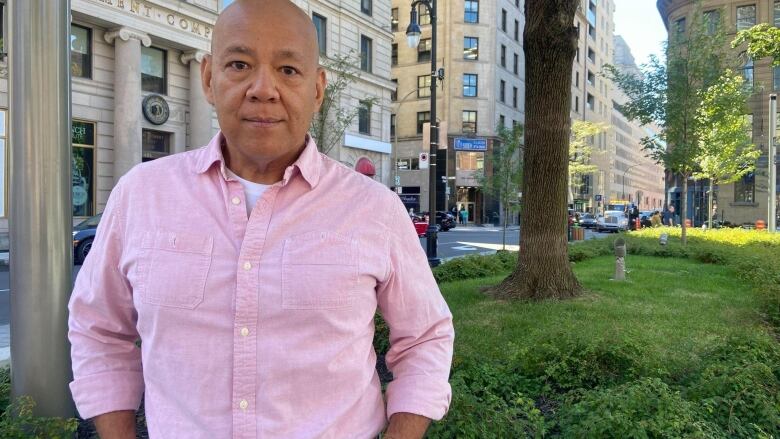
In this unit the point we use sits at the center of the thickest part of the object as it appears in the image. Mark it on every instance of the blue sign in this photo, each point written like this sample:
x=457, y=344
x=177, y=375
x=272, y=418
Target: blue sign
x=598, y=197
x=467, y=144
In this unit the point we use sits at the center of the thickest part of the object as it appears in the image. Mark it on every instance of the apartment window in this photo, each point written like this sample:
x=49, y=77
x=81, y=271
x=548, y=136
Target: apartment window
x=153, y=70
x=590, y=102
x=394, y=91
x=423, y=15
x=776, y=78
x=320, y=24
x=471, y=48
x=366, y=6
x=424, y=86
x=392, y=125
x=469, y=121
x=749, y=118
x=408, y=164
x=591, y=79
x=469, y=161
x=364, y=117
x=746, y=17
x=712, y=20
x=154, y=144
x=776, y=14
x=516, y=64
x=591, y=55
x=747, y=72
x=501, y=121
x=503, y=56
x=394, y=54
x=517, y=30
x=679, y=25
x=514, y=97
x=394, y=19
x=503, y=20
x=80, y=51
x=83, y=163
x=745, y=189
x=471, y=11
x=502, y=91
x=592, y=32
x=423, y=117
x=366, y=54
x=577, y=79
x=424, y=50
x=470, y=86
x=576, y=104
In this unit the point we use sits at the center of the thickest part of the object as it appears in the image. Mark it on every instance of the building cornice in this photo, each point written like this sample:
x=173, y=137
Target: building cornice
x=125, y=34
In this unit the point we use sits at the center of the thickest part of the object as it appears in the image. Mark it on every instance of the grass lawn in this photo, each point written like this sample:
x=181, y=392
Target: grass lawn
x=673, y=308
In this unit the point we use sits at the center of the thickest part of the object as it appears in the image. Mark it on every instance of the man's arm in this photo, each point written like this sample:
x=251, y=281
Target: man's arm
x=406, y=426
x=116, y=425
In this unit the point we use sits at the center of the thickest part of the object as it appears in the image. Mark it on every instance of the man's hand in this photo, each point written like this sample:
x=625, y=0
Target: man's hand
x=406, y=426
x=116, y=425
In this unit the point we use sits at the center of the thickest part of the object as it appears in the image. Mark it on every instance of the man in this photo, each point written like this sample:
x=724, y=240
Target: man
x=251, y=276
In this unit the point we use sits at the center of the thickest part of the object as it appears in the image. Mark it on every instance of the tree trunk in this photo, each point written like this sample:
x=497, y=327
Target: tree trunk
x=550, y=41
x=684, y=210
x=503, y=238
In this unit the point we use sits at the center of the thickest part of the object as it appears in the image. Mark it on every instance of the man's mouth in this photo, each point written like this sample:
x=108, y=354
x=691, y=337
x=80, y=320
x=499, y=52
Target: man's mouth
x=262, y=121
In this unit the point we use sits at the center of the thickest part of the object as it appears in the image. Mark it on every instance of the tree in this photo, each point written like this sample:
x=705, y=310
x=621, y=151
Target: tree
x=762, y=41
x=333, y=119
x=725, y=152
x=506, y=179
x=671, y=93
x=550, y=41
x=580, y=151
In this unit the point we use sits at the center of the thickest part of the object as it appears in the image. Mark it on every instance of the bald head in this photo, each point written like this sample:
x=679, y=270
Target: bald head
x=243, y=13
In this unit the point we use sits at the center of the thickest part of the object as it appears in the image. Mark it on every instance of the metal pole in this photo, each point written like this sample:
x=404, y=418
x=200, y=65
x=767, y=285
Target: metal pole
x=771, y=163
x=40, y=203
x=432, y=245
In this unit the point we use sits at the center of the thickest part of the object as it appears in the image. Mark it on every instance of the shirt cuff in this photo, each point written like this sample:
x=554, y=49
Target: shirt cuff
x=107, y=392
x=420, y=395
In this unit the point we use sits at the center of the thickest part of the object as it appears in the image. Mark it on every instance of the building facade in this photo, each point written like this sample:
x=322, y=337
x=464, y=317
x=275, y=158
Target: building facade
x=480, y=49
x=137, y=96
x=747, y=200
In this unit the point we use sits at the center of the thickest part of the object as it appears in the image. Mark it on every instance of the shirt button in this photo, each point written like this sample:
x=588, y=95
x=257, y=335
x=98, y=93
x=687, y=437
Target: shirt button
x=247, y=266
x=236, y=201
x=243, y=404
x=244, y=332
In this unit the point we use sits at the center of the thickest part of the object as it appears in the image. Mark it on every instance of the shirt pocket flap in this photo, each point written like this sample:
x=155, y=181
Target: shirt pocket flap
x=179, y=242
x=320, y=248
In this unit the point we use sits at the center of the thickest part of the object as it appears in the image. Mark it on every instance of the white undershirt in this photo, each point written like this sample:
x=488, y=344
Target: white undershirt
x=252, y=191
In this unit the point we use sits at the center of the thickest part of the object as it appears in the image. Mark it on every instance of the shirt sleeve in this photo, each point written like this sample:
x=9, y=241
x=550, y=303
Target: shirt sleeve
x=107, y=374
x=421, y=331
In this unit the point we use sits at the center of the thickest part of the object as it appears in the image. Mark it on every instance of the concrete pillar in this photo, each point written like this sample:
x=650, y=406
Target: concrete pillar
x=127, y=97
x=200, y=110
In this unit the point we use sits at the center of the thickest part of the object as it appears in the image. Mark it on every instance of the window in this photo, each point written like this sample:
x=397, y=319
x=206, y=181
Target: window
x=155, y=144
x=503, y=56
x=394, y=54
x=424, y=86
x=364, y=117
x=83, y=167
x=471, y=48
x=749, y=118
x=469, y=160
x=501, y=121
x=320, y=24
x=423, y=117
x=471, y=11
x=514, y=97
x=592, y=32
x=366, y=6
x=470, y=85
x=591, y=102
x=394, y=19
x=591, y=55
x=366, y=54
x=392, y=125
x=424, y=50
x=776, y=78
x=503, y=20
x=516, y=64
x=423, y=15
x=408, y=164
x=776, y=14
x=469, y=121
x=679, y=25
x=576, y=104
x=712, y=21
x=591, y=79
x=747, y=72
x=80, y=51
x=502, y=91
x=394, y=91
x=153, y=70
x=746, y=17
x=577, y=79
x=517, y=30
x=745, y=189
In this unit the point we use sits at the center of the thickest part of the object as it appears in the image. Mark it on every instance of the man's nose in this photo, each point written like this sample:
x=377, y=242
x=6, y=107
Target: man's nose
x=264, y=86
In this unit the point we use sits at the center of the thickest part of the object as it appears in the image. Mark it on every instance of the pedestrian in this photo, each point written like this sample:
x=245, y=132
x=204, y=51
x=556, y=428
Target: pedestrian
x=462, y=215
x=673, y=218
x=655, y=220
x=250, y=286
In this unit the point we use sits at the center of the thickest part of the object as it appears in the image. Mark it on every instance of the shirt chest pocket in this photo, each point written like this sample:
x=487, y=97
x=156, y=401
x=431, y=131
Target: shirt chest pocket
x=173, y=267
x=319, y=271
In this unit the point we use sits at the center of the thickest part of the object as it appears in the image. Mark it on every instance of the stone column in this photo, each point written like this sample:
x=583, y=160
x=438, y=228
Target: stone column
x=200, y=110
x=127, y=97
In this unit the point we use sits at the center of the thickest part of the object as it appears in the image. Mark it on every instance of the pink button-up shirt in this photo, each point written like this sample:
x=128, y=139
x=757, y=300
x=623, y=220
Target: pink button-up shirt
x=256, y=327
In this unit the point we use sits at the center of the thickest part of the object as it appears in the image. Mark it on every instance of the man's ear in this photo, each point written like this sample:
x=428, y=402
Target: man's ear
x=322, y=82
x=205, y=78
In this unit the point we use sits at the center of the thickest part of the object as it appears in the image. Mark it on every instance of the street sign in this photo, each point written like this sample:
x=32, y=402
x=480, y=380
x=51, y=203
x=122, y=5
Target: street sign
x=597, y=197
x=397, y=180
x=424, y=160
x=469, y=144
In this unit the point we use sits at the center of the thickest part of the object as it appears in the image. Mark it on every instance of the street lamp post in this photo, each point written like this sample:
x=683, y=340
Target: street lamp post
x=395, y=137
x=624, y=178
x=413, y=34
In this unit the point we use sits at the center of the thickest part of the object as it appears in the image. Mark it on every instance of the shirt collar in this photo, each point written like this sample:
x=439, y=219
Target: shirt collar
x=308, y=163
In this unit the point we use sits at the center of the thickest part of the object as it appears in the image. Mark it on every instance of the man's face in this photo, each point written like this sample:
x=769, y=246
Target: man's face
x=264, y=80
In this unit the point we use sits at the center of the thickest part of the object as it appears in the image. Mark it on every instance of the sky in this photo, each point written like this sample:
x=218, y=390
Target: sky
x=640, y=24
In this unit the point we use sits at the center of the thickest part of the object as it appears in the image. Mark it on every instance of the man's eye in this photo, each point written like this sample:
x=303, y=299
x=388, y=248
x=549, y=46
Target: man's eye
x=289, y=71
x=238, y=65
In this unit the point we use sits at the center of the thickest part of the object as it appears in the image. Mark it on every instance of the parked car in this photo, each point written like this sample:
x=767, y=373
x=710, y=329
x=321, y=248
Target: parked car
x=83, y=235
x=444, y=220
x=588, y=221
x=644, y=217
x=612, y=221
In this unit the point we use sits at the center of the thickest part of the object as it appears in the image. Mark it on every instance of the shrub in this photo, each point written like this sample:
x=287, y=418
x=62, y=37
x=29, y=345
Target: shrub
x=476, y=266
x=381, y=335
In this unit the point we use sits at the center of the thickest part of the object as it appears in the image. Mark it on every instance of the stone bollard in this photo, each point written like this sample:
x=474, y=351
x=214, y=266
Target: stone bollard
x=620, y=259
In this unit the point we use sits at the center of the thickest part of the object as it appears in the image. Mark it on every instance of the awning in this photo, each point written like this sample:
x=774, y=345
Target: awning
x=366, y=167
